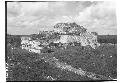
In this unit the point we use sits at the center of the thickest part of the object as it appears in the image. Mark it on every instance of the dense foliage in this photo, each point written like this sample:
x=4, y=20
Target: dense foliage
x=101, y=61
x=26, y=66
x=107, y=39
x=14, y=40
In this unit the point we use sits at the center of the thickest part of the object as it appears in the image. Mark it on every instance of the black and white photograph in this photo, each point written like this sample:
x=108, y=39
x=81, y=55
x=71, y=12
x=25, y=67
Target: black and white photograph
x=60, y=41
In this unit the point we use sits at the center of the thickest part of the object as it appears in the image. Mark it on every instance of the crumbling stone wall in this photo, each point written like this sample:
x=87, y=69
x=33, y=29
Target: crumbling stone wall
x=81, y=35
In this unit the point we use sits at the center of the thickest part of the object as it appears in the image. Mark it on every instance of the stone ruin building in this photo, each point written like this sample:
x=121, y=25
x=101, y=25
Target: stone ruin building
x=71, y=32
x=68, y=32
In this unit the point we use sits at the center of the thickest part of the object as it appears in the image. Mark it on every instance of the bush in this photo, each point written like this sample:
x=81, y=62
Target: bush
x=107, y=39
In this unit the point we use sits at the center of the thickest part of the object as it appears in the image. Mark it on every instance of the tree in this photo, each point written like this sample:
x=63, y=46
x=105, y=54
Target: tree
x=95, y=33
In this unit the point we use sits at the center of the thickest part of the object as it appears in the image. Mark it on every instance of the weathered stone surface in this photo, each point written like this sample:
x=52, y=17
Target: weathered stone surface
x=79, y=34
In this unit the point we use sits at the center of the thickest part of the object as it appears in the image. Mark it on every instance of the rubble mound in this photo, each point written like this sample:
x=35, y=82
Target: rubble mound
x=69, y=27
x=72, y=32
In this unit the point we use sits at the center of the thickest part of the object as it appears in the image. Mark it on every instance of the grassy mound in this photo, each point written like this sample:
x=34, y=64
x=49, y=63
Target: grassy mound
x=100, y=61
x=26, y=66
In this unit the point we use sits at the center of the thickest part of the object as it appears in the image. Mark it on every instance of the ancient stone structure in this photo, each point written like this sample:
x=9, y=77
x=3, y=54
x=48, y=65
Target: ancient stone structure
x=30, y=45
x=71, y=32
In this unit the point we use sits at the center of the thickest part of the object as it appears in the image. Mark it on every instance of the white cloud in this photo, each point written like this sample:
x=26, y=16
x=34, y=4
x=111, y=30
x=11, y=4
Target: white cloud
x=29, y=17
x=33, y=8
x=100, y=17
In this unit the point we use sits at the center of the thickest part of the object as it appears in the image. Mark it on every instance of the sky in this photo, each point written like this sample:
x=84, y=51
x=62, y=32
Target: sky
x=24, y=18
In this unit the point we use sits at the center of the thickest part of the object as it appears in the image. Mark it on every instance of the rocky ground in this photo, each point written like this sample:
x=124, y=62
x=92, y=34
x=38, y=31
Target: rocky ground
x=25, y=66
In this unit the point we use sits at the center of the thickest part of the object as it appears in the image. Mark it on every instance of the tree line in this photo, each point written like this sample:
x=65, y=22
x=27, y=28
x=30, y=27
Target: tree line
x=107, y=39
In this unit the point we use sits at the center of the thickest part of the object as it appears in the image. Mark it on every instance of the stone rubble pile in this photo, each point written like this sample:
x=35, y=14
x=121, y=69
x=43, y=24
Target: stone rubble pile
x=68, y=33
x=71, y=32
